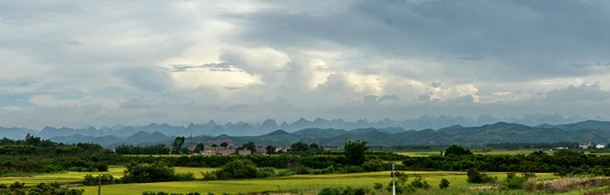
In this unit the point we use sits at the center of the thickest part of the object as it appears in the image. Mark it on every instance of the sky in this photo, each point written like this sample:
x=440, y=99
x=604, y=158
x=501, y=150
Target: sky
x=103, y=63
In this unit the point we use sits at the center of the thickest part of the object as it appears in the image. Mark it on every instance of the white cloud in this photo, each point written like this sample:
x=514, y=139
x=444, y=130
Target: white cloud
x=107, y=62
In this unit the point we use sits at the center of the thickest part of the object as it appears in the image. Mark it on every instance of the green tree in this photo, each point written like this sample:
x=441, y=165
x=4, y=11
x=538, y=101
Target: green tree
x=457, y=150
x=224, y=144
x=250, y=146
x=315, y=148
x=299, y=147
x=177, y=145
x=238, y=169
x=270, y=149
x=444, y=184
x=141, y=173
x=354, y=152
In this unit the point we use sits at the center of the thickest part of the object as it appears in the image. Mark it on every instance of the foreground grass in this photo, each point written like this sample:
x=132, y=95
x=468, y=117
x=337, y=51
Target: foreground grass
x=306, y=184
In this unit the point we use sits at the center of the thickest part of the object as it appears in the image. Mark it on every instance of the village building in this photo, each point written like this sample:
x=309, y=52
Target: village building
x=600, y=146
x=585, y=145
x=244, y=152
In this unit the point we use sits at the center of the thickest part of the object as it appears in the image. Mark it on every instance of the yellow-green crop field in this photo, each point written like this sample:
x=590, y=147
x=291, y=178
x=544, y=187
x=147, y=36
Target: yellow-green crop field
x=74, y=177
x=300, y=184
x=307, y=184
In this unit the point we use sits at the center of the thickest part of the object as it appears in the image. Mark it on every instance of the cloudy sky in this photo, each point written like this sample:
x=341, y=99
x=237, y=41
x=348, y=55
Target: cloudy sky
x=102, y=63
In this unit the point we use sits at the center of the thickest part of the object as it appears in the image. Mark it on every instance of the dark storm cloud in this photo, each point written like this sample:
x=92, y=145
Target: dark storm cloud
x=529, y=39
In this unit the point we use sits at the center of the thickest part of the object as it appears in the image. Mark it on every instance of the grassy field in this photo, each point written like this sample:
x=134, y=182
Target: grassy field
x=73, y=177
x=306, y=184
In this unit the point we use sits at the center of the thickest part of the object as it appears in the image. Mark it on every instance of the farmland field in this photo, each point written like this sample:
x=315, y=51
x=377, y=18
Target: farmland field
x=296, y=184
x=73, y=177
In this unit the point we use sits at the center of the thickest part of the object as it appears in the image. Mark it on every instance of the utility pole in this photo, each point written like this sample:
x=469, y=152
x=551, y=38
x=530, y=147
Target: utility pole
x=99, y=184
x=393, y=181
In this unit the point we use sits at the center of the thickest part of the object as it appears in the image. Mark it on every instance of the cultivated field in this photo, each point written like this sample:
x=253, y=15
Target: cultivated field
x=74, y=177
x=297, y=184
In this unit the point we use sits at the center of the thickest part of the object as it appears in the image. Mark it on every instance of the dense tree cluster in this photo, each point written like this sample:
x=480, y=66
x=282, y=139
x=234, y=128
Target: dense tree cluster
x=354, y=152
x=300, y=148
x=36, y=155
x=129, y=149
x=562, y=161
x=457, y=150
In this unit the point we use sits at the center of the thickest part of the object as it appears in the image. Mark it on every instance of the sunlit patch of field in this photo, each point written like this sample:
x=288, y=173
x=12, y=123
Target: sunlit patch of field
x=74, y=177
x=418, y=154
x=61, y=177
x=307, y=184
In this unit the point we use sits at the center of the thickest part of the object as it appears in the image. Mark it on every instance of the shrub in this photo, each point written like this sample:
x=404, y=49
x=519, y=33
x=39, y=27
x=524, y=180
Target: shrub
x=444, y=184
x=475, y=177
x=373, y=165
x=400, y=187
x=378, y=186
x=184, y=176
x=513, y=182
x=326, y=170
x=49, y=168
x=420, y=183
x=237, y=169
x=209, y=175
x=17, y=185
x=329, y=191
x=3, y=186
x=352, y=169
x=140, y=173
x=284, y=173
x=343, y=191
x=91, y=180
x=266, y=172
x=298, y=168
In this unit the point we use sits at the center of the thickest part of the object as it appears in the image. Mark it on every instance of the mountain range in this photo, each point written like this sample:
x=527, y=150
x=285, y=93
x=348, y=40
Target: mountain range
x=500, y=132
x=211, y=128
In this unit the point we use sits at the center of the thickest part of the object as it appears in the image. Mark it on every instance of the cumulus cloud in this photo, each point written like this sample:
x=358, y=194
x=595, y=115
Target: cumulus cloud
x=134, y=62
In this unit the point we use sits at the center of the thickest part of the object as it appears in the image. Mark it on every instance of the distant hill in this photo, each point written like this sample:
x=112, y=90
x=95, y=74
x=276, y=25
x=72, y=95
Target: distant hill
x=211, y=128
x=455, y=130
x=501, y=132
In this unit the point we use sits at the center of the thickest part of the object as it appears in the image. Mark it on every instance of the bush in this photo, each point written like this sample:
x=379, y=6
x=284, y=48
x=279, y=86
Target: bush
x=353, y=169
x=17, y=185
x=237, y=169
x=284, y=173
x=444, y=184
x=140, y=173
x=378, y=186
x=188, y=176
x=329, y=191
x=326, y=170
x=49, y=168
x=298, y=168
x=513, y=182
x=209, y=175
x=420, y=183
x=3, y=186
x=400, y=187
x=91, y=180
x=373, y=165
x=343, y=191
x=266, y=172
x=475, y=177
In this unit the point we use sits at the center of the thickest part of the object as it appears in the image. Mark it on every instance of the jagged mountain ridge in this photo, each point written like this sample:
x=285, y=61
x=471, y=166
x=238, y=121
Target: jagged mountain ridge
x=212, y=128
x=501, y=132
